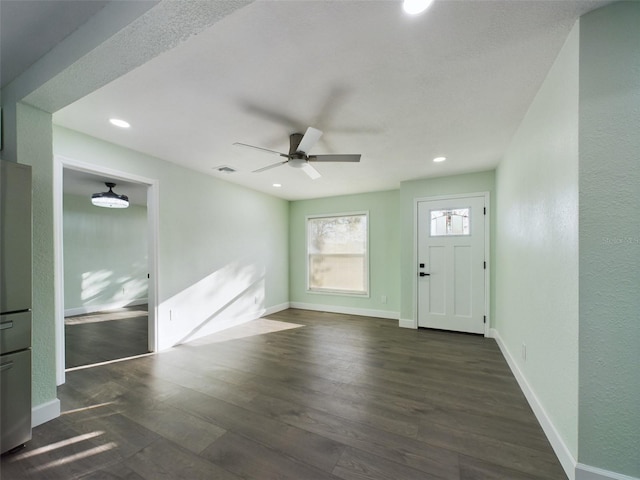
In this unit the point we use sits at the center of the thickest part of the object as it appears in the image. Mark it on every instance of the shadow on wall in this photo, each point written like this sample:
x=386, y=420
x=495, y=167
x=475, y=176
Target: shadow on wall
x=104, y=288
x=230, y=296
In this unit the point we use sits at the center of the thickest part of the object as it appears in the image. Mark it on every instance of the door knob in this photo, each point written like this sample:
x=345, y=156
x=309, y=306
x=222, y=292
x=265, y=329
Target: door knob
x=422, y=274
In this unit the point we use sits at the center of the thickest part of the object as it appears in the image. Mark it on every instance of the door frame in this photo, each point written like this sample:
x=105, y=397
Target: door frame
x=59, y=164
x=487, y=252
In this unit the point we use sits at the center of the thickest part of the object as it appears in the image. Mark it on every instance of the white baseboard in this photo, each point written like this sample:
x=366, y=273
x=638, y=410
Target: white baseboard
x=70, y=312
x=586, y=472
x=44, y=412
x=276, y=309
x=364, y=312
x=250, y=316
x=407, y=323
x=561, y=450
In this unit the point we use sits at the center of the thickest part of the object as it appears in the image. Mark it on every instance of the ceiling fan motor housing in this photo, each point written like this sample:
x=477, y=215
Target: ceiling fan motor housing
x=294, y=142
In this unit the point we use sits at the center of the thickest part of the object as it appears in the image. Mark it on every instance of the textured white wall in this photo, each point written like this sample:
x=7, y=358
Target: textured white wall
x=105, y=254
x=384, y=251
x=34, y=148
x=223, y=249
x=610, y=238
x=537, y=245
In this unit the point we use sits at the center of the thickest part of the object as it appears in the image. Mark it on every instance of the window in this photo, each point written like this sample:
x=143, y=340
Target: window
x=337, y=257
x=450, y=222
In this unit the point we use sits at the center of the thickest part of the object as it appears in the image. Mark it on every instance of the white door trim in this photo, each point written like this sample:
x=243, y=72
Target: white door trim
x=59, y=164
x=487, y=251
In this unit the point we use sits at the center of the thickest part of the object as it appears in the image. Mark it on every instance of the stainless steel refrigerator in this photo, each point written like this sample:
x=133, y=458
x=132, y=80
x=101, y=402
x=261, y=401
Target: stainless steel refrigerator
x=15, y=305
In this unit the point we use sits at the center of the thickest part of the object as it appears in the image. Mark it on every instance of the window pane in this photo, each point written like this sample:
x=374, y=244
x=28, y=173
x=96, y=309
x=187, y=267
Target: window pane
x=337, y=272
x=337, y=250
x=450, y=222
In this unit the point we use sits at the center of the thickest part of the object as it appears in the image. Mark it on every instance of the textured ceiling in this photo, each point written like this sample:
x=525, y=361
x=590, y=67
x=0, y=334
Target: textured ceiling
x=400, y=90
x=29, y=29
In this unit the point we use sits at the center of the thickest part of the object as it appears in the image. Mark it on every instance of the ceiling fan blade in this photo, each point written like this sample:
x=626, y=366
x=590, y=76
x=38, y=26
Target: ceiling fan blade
x=311, y=136
x=312, y=172
x=274, y=165
x=238, y=144
x=271, y=115
x=335, y=158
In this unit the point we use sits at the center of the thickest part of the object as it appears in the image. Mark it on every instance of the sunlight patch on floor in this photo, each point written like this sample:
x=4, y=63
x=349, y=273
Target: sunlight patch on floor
x=77, y=456
x=116, y=360
x=119, y=314
x=260, y=326
x=84, y=409
x=57, y=445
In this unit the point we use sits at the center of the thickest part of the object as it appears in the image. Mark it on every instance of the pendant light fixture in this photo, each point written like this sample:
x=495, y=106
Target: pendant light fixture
x=110, y=199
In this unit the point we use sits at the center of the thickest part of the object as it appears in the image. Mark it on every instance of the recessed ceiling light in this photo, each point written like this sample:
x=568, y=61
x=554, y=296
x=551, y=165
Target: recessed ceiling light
x=439, y=159
x=414, y=7
x=277, y=185
x=119, y=123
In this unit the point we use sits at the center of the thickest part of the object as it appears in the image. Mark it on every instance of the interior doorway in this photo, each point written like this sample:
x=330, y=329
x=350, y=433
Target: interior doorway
x=105, y=270
x=452, y=263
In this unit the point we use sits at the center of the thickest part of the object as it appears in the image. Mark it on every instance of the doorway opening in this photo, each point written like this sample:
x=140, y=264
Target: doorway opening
x=105, y=267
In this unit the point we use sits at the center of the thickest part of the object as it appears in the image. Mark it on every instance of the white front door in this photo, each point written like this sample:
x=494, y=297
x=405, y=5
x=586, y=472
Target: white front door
x=451, y=264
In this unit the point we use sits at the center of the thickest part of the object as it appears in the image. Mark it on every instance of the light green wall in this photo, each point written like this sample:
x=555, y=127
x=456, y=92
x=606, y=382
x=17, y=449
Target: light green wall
x=34, y=136
x=537, y=245
x=105, y=255
x=223, y=249
x=384, y=251
x=609, y=428
x=431, y=187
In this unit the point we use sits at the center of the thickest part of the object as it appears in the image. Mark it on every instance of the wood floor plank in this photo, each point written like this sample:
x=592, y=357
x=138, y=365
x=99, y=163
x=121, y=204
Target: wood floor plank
x=59, y=452
x=358, y=465
x=299, y=395
x=175, y=424
x=113, y=472
x=397, y=448
x=305, y=446
x=474, y=469
x=515, y=457
x=165, y=460
x=92, y=339
x=250, y=459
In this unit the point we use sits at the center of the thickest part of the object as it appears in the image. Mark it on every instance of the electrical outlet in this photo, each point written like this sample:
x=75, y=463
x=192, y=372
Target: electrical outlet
x=255, y=299
x=524, y=352
x=171, y=315
x=383, y=299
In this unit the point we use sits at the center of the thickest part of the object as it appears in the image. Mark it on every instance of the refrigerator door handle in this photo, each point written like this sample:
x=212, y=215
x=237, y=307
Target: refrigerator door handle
x=6, y=366
x=5, y=325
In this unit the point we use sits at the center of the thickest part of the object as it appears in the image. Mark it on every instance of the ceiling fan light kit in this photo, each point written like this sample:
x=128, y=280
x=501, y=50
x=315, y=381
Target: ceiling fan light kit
x=298, y=156
x=110, y=199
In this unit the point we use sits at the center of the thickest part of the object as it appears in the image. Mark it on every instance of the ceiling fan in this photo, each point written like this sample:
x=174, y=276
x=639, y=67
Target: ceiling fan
x=298, y=156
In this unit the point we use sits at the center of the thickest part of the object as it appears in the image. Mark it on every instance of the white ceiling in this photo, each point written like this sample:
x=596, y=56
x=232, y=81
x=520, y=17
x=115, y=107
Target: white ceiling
x=454, y=81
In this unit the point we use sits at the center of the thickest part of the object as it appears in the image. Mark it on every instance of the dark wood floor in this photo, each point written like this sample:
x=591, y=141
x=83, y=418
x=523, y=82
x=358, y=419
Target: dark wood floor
x=334, y=397
x=104, y=336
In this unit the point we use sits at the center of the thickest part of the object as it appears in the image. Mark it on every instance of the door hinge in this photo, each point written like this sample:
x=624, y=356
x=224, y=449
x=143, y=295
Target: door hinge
x=484, y=319
x=485, y=265
x=485, y=210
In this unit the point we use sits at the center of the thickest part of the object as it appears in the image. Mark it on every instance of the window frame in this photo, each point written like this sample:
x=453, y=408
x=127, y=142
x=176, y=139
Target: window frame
x=327, y=291
x=446, y=235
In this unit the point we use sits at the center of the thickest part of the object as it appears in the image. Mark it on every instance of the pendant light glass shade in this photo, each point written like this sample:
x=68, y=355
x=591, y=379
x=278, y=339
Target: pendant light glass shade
x=110, y=199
